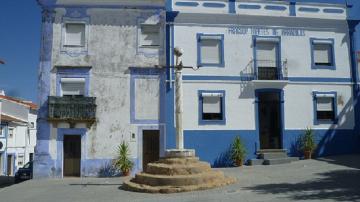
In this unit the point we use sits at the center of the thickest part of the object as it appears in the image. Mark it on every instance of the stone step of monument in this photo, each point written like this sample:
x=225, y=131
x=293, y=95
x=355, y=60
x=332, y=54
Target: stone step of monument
x=177, y=180
x=188, y=160
x=280, y=160
x=177, y=169
x=132, y=186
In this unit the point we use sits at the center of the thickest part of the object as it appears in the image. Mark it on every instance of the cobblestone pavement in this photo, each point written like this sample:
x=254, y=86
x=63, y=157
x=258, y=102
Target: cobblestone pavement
x=327, y=179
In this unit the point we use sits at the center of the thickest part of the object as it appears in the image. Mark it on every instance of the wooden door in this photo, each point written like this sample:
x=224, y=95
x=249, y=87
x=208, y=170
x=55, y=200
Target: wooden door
x=10, y=164
x=72, y=155
x=151, y=146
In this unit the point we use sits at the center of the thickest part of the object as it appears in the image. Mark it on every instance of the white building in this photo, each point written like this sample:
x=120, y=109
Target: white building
x=17, y=134
x=268, y=70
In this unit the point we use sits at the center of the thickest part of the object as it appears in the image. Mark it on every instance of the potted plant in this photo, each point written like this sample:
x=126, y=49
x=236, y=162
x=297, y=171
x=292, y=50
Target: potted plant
x=308, y=144
x=122, y=161
x=238, y=151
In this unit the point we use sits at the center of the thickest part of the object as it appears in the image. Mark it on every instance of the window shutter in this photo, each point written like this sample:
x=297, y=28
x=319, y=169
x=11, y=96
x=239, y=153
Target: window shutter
x=322, y=53
x=210, y=51
x=211, y=104
x=324, y=104
x=150, y=35
x=266, y=54
x=73, y=86
x=75, y=34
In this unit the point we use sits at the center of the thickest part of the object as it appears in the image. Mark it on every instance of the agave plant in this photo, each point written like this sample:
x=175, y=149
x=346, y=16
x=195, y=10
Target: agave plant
x=238, y=151
x=122, y=161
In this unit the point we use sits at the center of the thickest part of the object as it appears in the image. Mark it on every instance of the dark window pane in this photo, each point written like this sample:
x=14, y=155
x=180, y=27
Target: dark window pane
x=325, y=115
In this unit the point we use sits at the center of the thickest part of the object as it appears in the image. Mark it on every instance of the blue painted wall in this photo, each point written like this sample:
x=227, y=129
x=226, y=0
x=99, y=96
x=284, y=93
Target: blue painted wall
x=214, y=146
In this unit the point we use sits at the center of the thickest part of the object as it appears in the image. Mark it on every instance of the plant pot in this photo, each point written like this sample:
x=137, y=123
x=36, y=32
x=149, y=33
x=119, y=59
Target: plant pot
x=126, y=173
x=307, y=154
x=238, y=163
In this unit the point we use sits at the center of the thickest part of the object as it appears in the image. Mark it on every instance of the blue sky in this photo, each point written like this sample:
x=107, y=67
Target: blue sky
x=20, y=24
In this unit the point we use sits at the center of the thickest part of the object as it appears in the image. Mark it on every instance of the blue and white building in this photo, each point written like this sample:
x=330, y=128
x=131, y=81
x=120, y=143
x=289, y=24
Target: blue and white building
x=267, y=70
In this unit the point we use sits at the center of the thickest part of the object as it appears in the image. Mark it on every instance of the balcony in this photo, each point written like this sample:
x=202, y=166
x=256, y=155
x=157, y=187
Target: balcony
x=267, y=73
x=72, y=109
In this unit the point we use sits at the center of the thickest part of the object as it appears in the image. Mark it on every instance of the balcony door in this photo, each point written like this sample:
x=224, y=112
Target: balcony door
x=72, y=155
x=267, y=64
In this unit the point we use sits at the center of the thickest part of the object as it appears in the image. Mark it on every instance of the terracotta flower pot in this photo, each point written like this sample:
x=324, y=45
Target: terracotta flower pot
x=126, y=173
x=307, y=154
x=238, y=163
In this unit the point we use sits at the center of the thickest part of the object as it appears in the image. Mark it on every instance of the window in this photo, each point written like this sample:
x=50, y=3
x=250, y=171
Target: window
x=323, y=53
x=20, y=160
x=325, y=107
x=31, y=156
x=31, y=125
x=11, y=132
x=210, y=50
x=75, y=34
x=212, y=107
x=149, y=35
x=72, y=86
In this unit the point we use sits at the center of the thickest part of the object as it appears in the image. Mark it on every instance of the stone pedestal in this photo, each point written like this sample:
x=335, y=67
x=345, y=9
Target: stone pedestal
x=179, y=171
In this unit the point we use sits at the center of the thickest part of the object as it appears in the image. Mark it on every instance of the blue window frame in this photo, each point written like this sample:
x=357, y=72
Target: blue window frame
x=322, y=53
x=210, y=50
x=211, y=107
x=325, y=107
x=267, y=57
x=71, y=75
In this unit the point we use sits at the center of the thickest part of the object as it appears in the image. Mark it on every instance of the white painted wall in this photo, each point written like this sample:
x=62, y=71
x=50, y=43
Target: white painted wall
x=112, y=50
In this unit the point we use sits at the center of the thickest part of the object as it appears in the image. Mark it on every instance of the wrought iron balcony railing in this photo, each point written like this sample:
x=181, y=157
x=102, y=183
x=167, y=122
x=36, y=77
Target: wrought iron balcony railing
x=270, y=70
x=265, y=70
x=72, y=108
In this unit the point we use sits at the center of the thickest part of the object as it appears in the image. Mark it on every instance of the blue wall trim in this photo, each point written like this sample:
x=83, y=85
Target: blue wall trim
x=278, y=52
x=292, y=8
x=74, y=72
x=148, y=73
x=333, y=10
x=222, y=56
x=280, y=93
x=249, y=6
x=232, y=6
x=333, y=61
x=223, y=108
x=249, y=78
x=330, y=142
x=317, y=94
x=214, y=5
x=275, y=8
x=308, y=9
x=187, y=3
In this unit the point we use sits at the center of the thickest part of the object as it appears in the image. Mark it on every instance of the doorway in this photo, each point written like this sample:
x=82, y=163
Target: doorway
x=1, y=164
x=269, y=113
x=72, y=155
x=10, y=165
x=151, y=146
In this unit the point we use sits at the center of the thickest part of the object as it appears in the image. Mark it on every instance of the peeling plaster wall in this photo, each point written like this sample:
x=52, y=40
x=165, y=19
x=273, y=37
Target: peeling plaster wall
x=111, y=51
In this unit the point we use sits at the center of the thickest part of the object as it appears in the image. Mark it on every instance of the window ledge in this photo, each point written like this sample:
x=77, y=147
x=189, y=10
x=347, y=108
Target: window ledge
x=210, y=122
x=74, y=46
x=323, y=67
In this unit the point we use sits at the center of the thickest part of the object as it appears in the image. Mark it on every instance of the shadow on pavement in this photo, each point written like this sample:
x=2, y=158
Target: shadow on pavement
x=6, y=181
x=351, y=161
x=338, y=185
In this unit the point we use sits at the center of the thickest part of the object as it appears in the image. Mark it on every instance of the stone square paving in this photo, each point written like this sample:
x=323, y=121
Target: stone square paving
x=326, y=179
